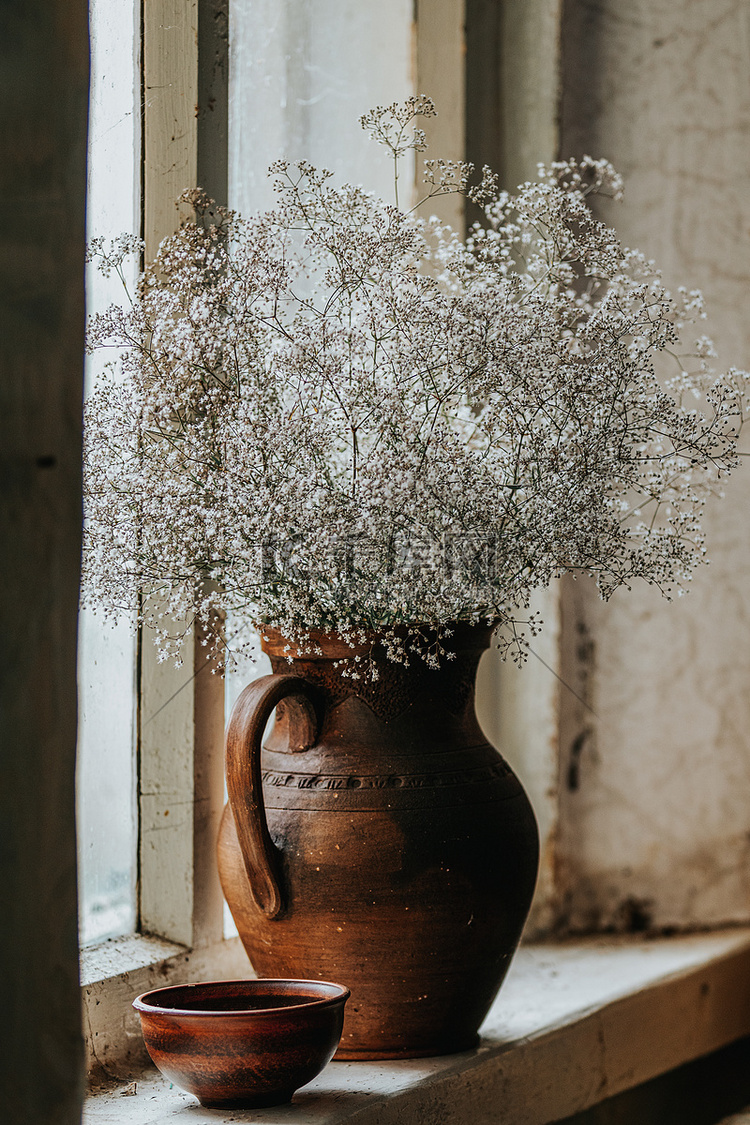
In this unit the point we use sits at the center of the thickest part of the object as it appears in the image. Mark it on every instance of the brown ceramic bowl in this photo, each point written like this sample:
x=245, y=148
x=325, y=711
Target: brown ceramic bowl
x=242, y=1042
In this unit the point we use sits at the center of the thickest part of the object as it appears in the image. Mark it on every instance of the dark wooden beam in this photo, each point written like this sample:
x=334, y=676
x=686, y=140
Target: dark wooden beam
x=44, y=95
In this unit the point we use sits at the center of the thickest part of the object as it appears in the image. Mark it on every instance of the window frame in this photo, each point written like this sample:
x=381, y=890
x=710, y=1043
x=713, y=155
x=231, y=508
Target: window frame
x=180, y=710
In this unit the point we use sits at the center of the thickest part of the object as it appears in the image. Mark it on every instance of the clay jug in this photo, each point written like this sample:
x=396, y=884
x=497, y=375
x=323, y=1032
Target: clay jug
x=377, y=840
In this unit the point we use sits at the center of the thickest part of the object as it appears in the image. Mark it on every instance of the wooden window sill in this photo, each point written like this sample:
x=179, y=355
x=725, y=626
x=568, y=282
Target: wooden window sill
x=574, y=1023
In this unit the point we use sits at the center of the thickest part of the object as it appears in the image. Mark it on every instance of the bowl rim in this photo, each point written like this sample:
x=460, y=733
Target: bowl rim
x=146, y=1005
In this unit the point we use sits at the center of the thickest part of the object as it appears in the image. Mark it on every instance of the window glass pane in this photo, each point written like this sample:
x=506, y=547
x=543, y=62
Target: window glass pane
x=107, y=825
x=301, y=74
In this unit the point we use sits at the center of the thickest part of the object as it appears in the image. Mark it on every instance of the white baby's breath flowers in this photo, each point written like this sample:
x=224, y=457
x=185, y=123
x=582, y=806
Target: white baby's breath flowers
x=338, y=415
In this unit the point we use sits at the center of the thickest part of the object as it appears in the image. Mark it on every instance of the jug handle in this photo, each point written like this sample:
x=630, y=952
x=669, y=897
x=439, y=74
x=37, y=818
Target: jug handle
x=245, y=731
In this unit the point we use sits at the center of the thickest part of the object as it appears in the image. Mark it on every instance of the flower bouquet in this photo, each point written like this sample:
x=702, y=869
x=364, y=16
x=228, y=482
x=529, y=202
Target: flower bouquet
x=340, y=415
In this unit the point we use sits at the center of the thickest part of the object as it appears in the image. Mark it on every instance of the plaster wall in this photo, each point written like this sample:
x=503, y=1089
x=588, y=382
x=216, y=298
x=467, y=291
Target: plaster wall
x=654, y=825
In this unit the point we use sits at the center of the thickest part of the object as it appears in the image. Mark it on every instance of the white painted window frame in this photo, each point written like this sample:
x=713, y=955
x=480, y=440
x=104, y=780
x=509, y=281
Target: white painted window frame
x=181, y=710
